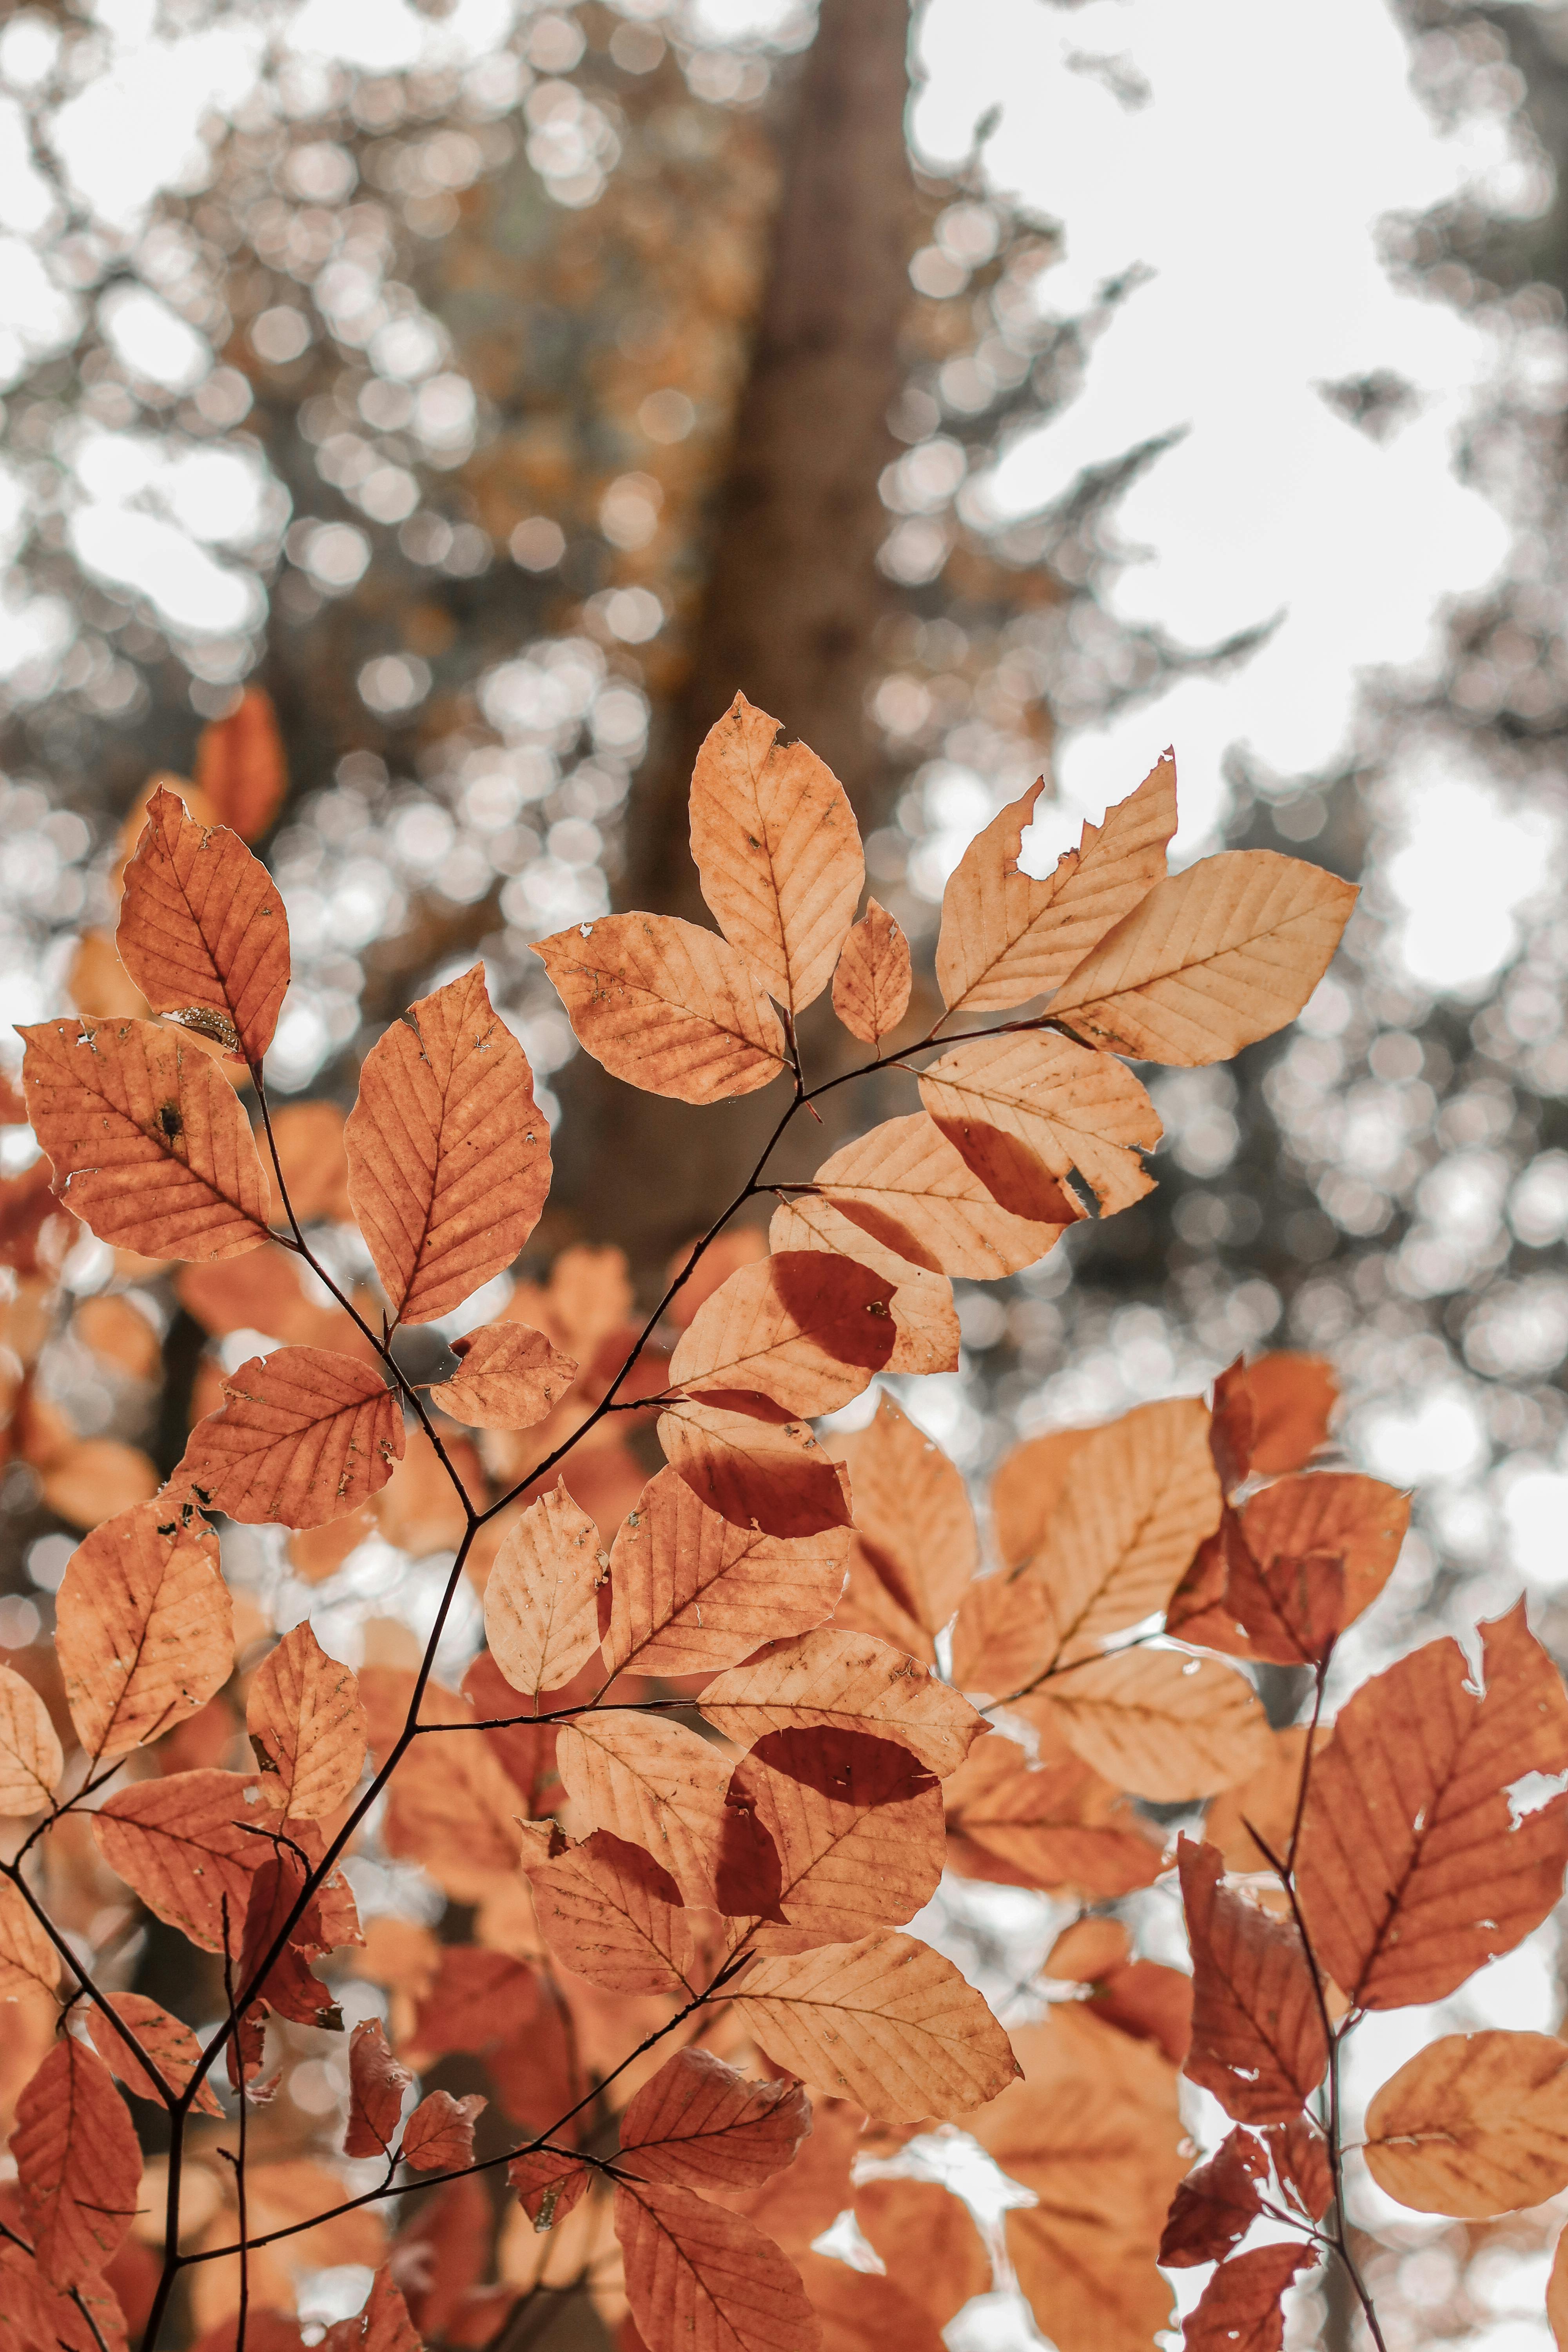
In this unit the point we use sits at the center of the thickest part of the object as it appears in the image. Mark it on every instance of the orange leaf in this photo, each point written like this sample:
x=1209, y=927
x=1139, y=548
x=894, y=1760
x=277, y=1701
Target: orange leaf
x=1028, y=1491
x=263, y=1292
x=871, y=979
x=30, y=1759
x=1159, y=1723
x=653, y=1783
x=1264, y=1801
x=448, y=1152
x=854, y=1831
x=886, y=2022
x=1412, y=1869
x=171, y=2045
x=509, y=1377
x=1357, y=1520
x=306, y=1725
x=240, y=764
x=1301, y=2160
x=289, y=1986
x=452, y=1808
x=384, y=2325
x=1259, y=2042
x=1290, y=1612
x=184, y=1844
x=907, y=1186
x=548, y=2184
x=1211, y=960
x=1058, y=1826
x=1240, y=2309
x=666, y=1006
x=376, y=2084
x=144, y=1628
x=1006, y=936
x=925, y=1320
x=1217, y=2204
x=150, y=1145
x=202, y=932
x=78, y=2164
x=1475, y=2124
x=304, y=1435
x=807, y=1329
x=1287, y=1401
x=610, y=1913
x=835, y=1681
x=690, y=1591
x=705, y=2279
x=701, y=2125
x=1008, y=1104
x=912, y=1516
x=778, y=851
x=439, y=2134
x=929, y=2241
x=761, y=1472
x=542, y=1610
x=479, y=1999
x=28, y=1961
x=95, y=1479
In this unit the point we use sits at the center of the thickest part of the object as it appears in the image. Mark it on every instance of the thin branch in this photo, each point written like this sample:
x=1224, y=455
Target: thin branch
x=77, y=2297
x=165, y=2089
x=239, y=2181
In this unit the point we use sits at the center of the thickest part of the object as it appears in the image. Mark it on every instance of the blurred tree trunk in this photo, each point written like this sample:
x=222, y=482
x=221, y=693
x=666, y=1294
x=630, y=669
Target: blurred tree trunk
x=794, y=594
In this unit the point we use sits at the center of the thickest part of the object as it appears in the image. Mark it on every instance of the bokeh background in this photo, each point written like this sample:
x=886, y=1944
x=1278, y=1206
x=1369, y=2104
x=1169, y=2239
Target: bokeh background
x=1008, y=389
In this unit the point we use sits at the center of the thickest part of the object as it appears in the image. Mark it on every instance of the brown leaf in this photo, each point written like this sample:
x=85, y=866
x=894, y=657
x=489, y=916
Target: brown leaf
x=1007, y=1102
x=1290, y=1398
x=929, y=2241
x=610, y=1913
x=96, y=1479
x=1412, y=1870
x=1475, y=2124
x=906, y=1185
x=508, y=1378
x=202, y=932
x=542, y=1610
x=1006, y=936
x=690, y=1591
x=439, y=2134
x=306, y=1725
x=30, y=1758
x=872, y=977
x=759, y=1472
x=548, y=2183
x=835, y=1681
x=807, y=1329
x=925, y=1320
x=666, y=1006
x=452, y=1808
x=778, y=851
x=1240, y=2309
x=1028, y=1491
x=912, y=1516
x=653, y=1783
x=1217, y=2204
x=144, y=1628
x=1358, y=1521
x=184, y=1844
x=1159, y=1723
x=28, y=1961
x=1290, y=1612
x=78, y=2164
x=288, y=1986
x=1057, y=1826
x=448, y=1152
x=703, y=2125
x=376, y=2084
x=304, y=1435
x=171, y=2045
x=150, y=1147
x=1301, y=2160
x=860, y=2312
x=1150, y=2002
x=1210, y=960
x=1259, y=2042
x=886, y=2022
x=384, y=2325
x=703, y=2278
x=240, y=764
x=855, y=1825
x=477, y=2000
x=1557, y=2294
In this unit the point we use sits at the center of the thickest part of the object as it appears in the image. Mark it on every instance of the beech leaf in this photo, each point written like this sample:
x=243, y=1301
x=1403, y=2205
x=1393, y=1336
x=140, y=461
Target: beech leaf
x=240, y=764
x=700, y=2123
x=306, y=1725
x=376, y=2085
x=78, y=2164
x=1259, y=2042
x=762, y=1473
x=1057, y=1826
x=653, y=1783
x=907, y=1186
x=1005, y=1103
x=853, y=1832
x=666, y=1006
x=184, y=1843
x=913, y=1523
x=925, y=1320
x=1475, y=2124
x=28, y=1960
x=705, y=2279
x=807, y=1329
x=202, y=930
x=509, y=1377
x=439, y=2134
x=143, y=1627
x=872, y=977
x=1159, y=1723
x=541, y=1605
x=1240, y=2309
x=610, y=1913
x=835, y=1681
x=170, y=2044
x=304, y=1435
x=1217, y=2204
x=30, y=1759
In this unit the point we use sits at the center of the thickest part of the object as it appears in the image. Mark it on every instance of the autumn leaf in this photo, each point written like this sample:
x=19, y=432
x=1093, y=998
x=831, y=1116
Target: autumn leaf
x=1006, y=936
x=1475, y=2124
x=835, y=1681
x=376, y=2085
x=1282, y=1405
x=78, y=2164
x=700, y=2123
x=1557, y=2294
x=452, y=1808
x=705, y=2279
x=666, y=1006
x=758, y=1472
x=184, y=1843
x=30, y=1759
x=1210, y=960
x=448, y=1152
x=885, y=2021
x=925, y=1319
x=1290, y=1612
x=855, y=1823
x=1301, y=2160
x=439, y=2134
x=778, y=852
x=1028, y=1489
x=477, y=2001
x=908, y=1187
x=384, y=2325
x=170, y=2044
x=1338, y=1514
x=912, y=1516
x=872, y=977
x=549, y=2183
x=1138, y=1997
x=690, y=1591
x=1240, y=2309
x=1159, y=1723
x=1259, y=2042
x=240, y=764
x=611, y=1912
x=308, y=1137
x=144, y=1628
x=281, y=1977
x=541, y=1605
x=509, y=1377
x=1008, y=1103
x=150, y=1147
x=28, y=1960
x=1264, y=1802
x=202, y=932
x=1412, y=1869
x=807, y=1329
x=306, y=1725
x=653, y=1783
x=1057, y=1826
x=1217, y=2204
x=304, y=1435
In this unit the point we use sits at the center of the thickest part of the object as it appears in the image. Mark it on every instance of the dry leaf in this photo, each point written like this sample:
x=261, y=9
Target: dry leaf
x=1217, y=2204
x=187, y=1843
x=439, y=2134
x=701, y=2125
x=908, y=1187
x=150, y=1147
x=912, y=1516
x=1259, y=2042
x=1028, y=1491
x=30, y=1759
x=448, y=1152
x=307, y=1726
x=704, y=2279
x=78, y=2164
x=1008, y=1103
x=376, y=2085
x=144, y=1628
x=509, y=1377
x=452, y=1808
x=202, y=932
x=925, y=1320
x=1160, y=1723
x=1239, y=2310
x=541, y=1607
x=872, y=977
x=835, y=1681
x=807, y=1329
x=850, y=1830
x=304, y=1435
x=28, y=1960
x=1335, y=1512
x=666, y=1006
x=1057, y=1826
x=240, y=764
x=760, y=1472
x=171, y=2045
x=653, y=1783
x=612, y=1913
x=1475, y=2124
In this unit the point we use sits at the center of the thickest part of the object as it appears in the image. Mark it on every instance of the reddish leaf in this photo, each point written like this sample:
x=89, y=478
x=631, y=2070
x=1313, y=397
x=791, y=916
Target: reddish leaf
x=172, y=2047
x=610, y=1913
x=240, y=764
x=77, y=2163
x=1301, y=2160
x=303, y=1436
x=872, y=977
x=844, y=1682
x=1217, y=2204
x=705, y=2279
x=384, y=2325
x=306, y=1725
x=1293, y=1399
x=376, y=2084
x=1259, y=2042
x=288, y=1988
x=908, y=1187
x=1240, y=2309
x=1358, y=1521
x=855, y=1824
x=202, y=932
x=925, y=1320
x=1059, y=1826
x=758, y=1471
x=703, y=2125
x=479, y=1998
x=1232, y=1424
x=439, y=2134
x=1011, y=1104
x=653, y=1783
x=548, y=2183
x=144, y=1628
x=183, y=1843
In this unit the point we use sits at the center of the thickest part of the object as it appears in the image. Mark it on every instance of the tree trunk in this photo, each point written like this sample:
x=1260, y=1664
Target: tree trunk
x=794, y=594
